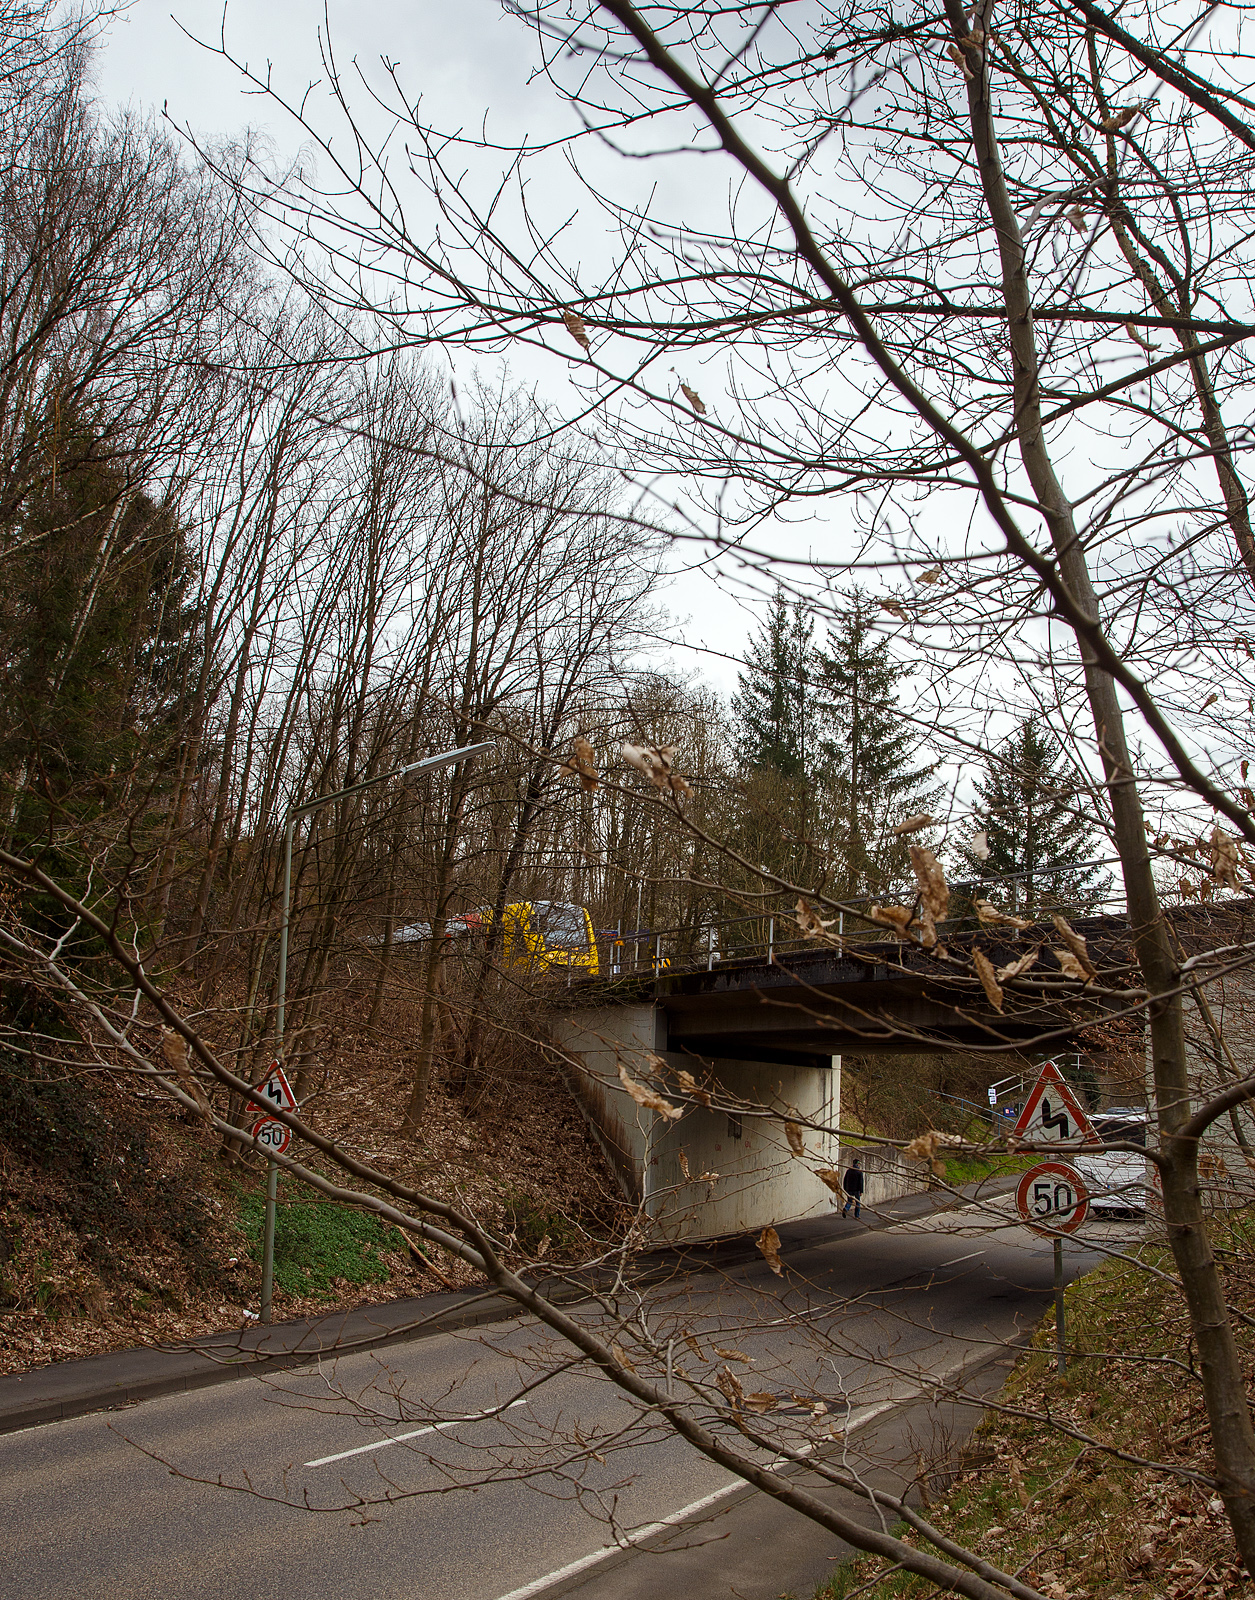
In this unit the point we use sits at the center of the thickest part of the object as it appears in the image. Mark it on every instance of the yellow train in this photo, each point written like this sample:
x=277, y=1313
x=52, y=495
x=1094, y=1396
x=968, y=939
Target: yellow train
x=546, y=934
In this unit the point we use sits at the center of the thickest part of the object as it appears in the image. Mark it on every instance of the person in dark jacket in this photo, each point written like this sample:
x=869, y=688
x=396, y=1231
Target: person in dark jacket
x=852, y=1183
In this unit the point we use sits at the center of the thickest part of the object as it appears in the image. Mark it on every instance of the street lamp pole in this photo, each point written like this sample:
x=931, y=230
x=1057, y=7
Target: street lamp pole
x=447, y=758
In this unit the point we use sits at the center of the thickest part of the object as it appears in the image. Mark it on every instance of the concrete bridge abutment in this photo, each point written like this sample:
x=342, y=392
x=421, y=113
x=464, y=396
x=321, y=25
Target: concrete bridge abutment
x=760, y=1181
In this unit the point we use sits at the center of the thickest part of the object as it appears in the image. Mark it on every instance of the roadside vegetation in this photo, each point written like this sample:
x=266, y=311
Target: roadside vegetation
x=120, y=1224
x=1069, y=1517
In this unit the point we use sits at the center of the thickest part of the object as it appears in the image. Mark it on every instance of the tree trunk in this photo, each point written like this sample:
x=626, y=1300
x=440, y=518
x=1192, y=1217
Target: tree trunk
x=1223, y=1386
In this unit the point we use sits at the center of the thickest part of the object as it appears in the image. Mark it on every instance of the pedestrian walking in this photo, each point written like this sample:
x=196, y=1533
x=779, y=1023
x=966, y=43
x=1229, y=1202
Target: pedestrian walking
x=852, y=1183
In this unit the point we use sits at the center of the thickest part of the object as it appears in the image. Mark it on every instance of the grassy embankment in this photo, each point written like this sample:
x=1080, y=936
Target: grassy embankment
x=1065, y=1514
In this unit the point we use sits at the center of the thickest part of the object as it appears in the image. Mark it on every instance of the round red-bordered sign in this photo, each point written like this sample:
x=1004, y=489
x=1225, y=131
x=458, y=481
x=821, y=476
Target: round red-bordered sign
x=272, y=1135
x=1052, y=1198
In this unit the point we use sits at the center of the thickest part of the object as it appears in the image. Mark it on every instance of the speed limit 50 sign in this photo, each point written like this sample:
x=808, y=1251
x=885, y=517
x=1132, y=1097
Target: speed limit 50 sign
x=272, y=1135
x=1052, y=1198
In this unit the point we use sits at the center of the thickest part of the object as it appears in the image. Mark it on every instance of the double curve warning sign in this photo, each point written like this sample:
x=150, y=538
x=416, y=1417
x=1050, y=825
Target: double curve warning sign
x=1052, y=1114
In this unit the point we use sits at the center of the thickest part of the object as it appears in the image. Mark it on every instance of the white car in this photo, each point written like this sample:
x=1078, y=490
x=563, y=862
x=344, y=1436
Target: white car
x=1117, y=1180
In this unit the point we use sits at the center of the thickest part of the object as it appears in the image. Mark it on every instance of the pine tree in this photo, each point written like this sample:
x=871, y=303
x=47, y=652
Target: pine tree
x=96, y=633
x=772, y=713
x=1034, y=818
x=868, y=753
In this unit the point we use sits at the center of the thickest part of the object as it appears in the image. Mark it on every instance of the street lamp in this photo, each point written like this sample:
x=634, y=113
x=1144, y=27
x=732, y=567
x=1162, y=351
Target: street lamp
x=446, y=759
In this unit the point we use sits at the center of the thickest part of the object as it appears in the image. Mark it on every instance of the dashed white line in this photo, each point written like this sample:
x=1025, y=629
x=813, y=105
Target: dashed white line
x=404, y=1438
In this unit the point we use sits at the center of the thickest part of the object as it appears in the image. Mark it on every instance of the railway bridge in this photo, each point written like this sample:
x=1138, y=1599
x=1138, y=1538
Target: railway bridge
x=770, y=1026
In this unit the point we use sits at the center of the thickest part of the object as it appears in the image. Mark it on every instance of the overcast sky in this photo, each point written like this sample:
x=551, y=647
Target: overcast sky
x=465, y=58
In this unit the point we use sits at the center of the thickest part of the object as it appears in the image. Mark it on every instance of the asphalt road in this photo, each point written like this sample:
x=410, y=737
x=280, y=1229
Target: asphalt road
x=303, y=1488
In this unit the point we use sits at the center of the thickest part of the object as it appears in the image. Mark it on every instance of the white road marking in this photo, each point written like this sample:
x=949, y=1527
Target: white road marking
x=957, y=1259
x=403, y=1438
x=539, y=1585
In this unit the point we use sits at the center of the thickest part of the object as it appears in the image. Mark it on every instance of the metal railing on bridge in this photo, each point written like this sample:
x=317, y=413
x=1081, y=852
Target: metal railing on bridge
x=691, y=946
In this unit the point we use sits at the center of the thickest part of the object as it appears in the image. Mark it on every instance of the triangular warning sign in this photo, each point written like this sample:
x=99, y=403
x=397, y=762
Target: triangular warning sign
x=1052, y=1113
x=275, y=1088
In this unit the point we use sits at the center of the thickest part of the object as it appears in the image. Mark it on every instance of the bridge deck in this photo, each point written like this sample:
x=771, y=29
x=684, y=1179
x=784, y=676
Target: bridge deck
x=806, y=1004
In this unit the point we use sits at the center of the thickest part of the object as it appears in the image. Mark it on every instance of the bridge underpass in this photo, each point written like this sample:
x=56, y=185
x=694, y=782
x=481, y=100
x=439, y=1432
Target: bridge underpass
x=771, y=1029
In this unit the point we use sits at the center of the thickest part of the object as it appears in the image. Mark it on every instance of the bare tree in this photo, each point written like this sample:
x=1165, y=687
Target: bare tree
x=950, y=280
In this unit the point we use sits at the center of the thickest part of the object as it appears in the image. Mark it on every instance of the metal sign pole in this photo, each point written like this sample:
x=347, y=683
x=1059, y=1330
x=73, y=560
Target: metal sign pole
x=1060, y=1336
x=272, y=1166
x=268, y=1242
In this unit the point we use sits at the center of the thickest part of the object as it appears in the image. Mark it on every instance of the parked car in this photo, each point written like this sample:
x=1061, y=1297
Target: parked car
x=1116, y=1179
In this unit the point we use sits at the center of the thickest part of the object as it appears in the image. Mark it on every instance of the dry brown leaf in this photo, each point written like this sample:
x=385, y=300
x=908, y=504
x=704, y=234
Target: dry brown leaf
x=684, y=1167
x=583, y=763
x=831, y=1178
x=980, y=845
x=912, y=824
x=1224, y=858
x=1210, y=701
x=1119, y=119
x=621, y=1355
x=1016, y=969
x=694, y=399
x=690, y=1086
x=730, y=1385
x=174, y=1049
x=893, y=608
x=988, y=982
x=1077, y=218
x=733, y=1355
x=930, y=576
x=543, y=1247
x=794, y=1135
x=811, y=924
x=934, y=892
x=647, y=1097
x=577, y=328
x=1075, y=943
x=760, y=1402
x=924, y=1148
x=768, y=1242
x=897, y=917
x=1004, y=919
x=1072, y=968
x=694, y=1346
x=656, y=763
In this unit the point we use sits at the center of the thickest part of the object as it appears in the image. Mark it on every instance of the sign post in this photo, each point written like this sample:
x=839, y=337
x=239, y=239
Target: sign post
x=1052, y=1200
x=274, y=1136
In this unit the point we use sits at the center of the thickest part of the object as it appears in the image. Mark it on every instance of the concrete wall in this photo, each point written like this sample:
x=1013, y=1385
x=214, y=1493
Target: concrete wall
x=759, y=1180
x=1216, y=1053
x=888, y=1176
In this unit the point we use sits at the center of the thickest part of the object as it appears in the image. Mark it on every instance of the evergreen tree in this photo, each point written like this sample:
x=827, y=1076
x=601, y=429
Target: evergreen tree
x=772, y=713
x=1034, y=818
x=868, y=753
x=95, y=640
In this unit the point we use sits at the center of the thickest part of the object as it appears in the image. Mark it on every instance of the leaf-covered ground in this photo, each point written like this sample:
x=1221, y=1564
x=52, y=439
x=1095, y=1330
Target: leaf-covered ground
x=1064, y=1513
x=121, y=1225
